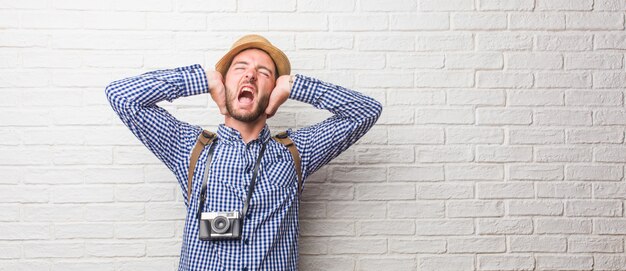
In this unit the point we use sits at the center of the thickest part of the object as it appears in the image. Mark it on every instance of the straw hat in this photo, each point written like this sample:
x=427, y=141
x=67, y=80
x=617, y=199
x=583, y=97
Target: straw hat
x=255, y=41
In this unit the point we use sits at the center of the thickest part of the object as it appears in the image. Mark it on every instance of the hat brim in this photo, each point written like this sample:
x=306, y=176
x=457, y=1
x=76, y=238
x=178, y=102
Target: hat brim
x=280, y=59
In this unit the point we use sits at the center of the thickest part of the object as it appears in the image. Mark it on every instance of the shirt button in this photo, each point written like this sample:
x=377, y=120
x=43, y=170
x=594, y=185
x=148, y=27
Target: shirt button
x=246, y=242
x=245, y=269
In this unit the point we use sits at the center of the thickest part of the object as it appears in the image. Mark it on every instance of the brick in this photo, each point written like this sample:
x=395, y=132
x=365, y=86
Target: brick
x=52, y=20
x=595, y=21
x=456, y=262
x=535, y=207
x=444, y=79
x=444, y=154
x=323, y=192
x=163, y=248
x=226, y=22
x=325, y=6
x=312, y=246
x=416, y=61
x=24, y=39
x=444, y=116
x=609, y=5
x=499, y=226
x=297, y=22
x=565, y=262
x=593, y=208
x=609, y=117
x=609, y=226
x=145, y=230
x=115, y=212
x=54, y=213
x=594, y=98
x=357, y=246
x=24, y=231
x=538, y=244
x=115, y=21
x=309, y=210
x=609, y=262
x=411, y=97
x=323, y=263
x=476, y=245
x=474, y=61
x=9, y=213
x=363, y=61
x=420, y=21
x=327, y=228
x=588, y=244
x=416, y=173
x=609, y=191
x=503, y=41
x=385, y=192
x=502, y=5
x=397, y=115
x=474, y=135
x=488, y=79
x=595, y=136
x=82, y=193
x=534, y=172
x=420, y=209
x=115, y=249
x=255, y=6
x=119, y=175
x=145, y=193
x=534, y=61
x=412, y=135
x=536, y=21
x=445, y=191
x=563, y=80
x=503, y=154
x=409, y=246
x=80, y=5
x=383, y=155
x=444, y=42
x=25, y=194
x=564, y=42
x=324, y=41
x=386, y=227
x=593, y=173
x=393, y=263
x=599, y=61
x=564, y=5
x=509, y=190
x=556, y=117
x=377, y=6
x=563, y=190
x=361, y=210
x=505, y=262
x=464, y=208
x=476, y=97
x=479, y=21
x=83, y=231
x=562, y=154
x=474, y=172
x=53, y=249
x=46, y=175
x=536, y=136
x=358, y=22
x=503, y=116
x=150, y=5
x=456, y=226
x=384, y=80
x=563, y=226
x=609, y=79
x=51, y=60
x=453, y=5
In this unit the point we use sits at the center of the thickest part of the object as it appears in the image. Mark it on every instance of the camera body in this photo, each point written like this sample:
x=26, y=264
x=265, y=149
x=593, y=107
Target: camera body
x=220, y=226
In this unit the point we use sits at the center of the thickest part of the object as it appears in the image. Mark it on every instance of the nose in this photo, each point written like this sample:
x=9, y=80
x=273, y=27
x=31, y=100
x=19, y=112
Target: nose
x=250, y=75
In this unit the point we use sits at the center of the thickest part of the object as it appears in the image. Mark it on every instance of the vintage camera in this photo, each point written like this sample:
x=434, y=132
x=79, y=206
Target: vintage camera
x=220, y=226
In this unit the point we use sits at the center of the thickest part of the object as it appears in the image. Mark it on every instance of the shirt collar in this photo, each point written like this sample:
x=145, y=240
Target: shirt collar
x=229, y=134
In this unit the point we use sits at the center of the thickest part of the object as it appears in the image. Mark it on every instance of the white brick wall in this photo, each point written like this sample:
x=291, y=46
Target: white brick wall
x=501, y=144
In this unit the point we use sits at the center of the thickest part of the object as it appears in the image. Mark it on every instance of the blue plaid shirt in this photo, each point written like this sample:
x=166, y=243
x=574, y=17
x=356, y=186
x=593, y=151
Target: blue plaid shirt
x=270, y=234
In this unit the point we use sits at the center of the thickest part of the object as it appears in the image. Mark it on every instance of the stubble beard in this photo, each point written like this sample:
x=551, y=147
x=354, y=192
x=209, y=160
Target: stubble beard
x=258, y=109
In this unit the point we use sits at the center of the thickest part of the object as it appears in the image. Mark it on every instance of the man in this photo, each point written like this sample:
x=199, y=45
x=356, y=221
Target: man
x=256, y=82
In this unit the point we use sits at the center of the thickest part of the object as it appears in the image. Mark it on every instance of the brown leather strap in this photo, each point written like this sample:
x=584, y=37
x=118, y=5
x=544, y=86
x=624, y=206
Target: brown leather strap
x=205, y=138
x=284, y=139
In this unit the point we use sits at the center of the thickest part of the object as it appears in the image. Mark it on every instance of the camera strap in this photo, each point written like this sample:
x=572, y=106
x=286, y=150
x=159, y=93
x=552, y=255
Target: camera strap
x=250, y=188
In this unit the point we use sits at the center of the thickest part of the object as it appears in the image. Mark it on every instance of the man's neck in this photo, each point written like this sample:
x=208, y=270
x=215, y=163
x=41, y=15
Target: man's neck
x=249, y=130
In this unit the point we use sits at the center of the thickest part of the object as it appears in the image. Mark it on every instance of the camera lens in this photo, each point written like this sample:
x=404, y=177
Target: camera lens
x=220, y=224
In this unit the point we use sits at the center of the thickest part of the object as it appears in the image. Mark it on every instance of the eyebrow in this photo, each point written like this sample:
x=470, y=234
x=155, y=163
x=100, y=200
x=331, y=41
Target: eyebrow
x=260, y=66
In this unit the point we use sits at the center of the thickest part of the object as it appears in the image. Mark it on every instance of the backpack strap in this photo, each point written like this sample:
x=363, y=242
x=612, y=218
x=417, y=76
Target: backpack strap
x=284, y=139
x=205, y=138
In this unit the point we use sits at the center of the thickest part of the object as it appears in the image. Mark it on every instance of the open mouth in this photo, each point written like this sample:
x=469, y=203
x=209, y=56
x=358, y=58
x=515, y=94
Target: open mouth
x=246, y=95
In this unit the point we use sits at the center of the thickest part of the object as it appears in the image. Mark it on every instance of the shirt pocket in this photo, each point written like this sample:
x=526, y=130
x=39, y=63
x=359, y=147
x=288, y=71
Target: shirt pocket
x=279, y=171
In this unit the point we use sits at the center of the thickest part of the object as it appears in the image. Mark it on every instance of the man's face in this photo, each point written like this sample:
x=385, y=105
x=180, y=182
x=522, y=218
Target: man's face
x=249, y=81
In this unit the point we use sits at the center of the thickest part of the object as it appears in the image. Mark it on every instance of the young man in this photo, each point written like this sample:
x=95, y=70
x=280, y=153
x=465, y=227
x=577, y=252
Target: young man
x=256, y=82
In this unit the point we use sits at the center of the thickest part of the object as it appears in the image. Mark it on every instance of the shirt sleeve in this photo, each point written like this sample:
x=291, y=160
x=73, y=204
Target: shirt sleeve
x=134, y=100
x=353, y=115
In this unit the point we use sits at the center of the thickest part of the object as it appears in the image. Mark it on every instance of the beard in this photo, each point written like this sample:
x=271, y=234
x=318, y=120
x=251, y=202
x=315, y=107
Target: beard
x=261, y=105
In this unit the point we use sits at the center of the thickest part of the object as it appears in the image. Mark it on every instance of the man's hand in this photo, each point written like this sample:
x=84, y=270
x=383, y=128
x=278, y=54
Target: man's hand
x=217, y=90
x=280, y=94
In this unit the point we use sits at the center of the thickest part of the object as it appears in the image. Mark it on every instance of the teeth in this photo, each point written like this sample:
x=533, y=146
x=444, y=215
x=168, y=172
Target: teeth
x=246, y=89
